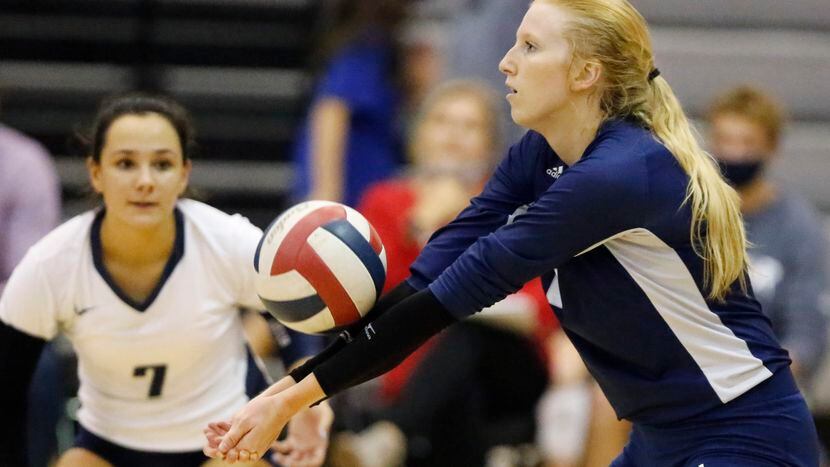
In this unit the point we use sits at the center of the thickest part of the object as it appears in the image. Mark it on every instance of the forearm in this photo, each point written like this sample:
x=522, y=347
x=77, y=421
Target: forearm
x=19, y=353
x=303, y=395
x=280, y=386
x=384, y=343
x=395, y=296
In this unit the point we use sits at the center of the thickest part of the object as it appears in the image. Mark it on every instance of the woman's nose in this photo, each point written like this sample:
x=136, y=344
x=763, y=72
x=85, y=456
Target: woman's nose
x=506, y=64
x=146, y=178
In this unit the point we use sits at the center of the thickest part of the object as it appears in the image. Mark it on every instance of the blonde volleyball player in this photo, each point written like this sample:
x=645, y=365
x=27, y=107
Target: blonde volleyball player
x=148, y=289
x=639, y=242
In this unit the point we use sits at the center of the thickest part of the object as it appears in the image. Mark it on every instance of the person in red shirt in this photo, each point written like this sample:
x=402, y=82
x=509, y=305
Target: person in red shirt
x=453, y=148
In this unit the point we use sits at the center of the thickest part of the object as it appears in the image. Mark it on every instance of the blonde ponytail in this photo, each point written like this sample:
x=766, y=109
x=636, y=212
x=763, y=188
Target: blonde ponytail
x=717, y=227
x=615, y=34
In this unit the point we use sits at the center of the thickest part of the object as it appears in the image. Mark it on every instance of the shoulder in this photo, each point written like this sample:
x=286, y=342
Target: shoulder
x=65, y=242
x=213, y=222
x=631, y=155
x=211, y=219
x=50, y=265
x=629, y=168
x=623, y=142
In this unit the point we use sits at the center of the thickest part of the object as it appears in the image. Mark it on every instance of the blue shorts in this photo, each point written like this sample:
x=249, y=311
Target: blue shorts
x=750, y=431
x=120, y=456
x=125, y=457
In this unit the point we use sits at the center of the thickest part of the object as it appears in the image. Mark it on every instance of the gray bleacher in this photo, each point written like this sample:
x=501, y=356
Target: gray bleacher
x=240, y=67
x=704, y=46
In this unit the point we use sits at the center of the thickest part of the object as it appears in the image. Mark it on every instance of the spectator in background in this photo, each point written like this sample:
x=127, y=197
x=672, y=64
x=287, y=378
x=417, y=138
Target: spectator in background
x=29, y=197
x=350, y=139
x=491, y=26
x=452, y=150
x=29, y=208
x=788, y=259
x=455, y=398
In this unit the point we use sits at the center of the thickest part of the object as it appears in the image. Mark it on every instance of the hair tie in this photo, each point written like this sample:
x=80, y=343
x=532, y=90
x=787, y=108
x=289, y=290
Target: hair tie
x=655, y=72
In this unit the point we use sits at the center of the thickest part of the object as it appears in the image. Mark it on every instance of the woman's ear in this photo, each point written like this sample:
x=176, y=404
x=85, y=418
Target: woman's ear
x=94, y=170
x=185, y=180
x=585, y=74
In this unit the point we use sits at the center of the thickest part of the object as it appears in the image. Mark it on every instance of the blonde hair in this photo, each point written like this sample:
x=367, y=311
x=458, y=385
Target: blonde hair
x=754, y=105
x=613, y=33
x=479, y=92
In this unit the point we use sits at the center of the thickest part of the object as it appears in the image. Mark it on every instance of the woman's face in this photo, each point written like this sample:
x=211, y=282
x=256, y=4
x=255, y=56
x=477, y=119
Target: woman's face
x=737, y=139
x=142, y=171
x=454, y=132
x=537, y=66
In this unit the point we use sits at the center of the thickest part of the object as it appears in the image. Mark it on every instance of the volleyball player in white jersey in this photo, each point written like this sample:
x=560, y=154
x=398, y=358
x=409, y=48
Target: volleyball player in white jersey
x=148, y=289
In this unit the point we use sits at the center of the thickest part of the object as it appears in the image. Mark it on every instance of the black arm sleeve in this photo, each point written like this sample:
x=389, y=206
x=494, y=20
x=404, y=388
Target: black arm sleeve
x=19, y=353
x=384, y=342
x=395, y=296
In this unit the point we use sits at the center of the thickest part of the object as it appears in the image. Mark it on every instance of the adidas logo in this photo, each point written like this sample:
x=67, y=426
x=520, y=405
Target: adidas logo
x=555, y=172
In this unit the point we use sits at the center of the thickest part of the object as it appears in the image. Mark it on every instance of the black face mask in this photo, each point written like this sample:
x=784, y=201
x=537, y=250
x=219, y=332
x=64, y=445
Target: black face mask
x=741, y=174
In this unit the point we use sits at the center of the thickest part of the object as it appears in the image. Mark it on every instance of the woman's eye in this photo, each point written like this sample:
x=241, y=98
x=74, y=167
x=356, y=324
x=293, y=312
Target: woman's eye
x=163, y=165
x=529, y=47
x=124, y=164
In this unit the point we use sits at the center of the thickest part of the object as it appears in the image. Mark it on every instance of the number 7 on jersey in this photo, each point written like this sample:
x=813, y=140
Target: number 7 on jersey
x=158, y=377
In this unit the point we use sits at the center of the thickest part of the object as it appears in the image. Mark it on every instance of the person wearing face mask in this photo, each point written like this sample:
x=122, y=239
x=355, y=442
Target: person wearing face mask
x=788, y=260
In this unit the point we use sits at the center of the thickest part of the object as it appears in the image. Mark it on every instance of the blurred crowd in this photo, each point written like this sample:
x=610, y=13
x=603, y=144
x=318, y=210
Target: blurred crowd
x=405, y=122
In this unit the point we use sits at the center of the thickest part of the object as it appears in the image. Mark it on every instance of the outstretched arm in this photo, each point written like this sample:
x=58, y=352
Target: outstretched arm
x=381, y=345
x=395, y=296
x=214, y=432
x=19, y=353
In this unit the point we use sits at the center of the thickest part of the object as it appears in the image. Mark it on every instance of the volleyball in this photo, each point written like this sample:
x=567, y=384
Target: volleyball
x=320, y=267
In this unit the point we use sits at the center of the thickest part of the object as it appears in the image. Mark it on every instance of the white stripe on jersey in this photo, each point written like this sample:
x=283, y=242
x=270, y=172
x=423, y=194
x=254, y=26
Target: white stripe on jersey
x=724, y=359
x=553, y=294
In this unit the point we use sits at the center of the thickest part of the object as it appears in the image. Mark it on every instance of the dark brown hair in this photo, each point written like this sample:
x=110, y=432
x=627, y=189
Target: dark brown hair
x=348, y=21
x=139, y=104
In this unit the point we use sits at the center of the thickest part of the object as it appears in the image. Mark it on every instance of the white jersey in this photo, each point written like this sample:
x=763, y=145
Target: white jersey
x=152, y=375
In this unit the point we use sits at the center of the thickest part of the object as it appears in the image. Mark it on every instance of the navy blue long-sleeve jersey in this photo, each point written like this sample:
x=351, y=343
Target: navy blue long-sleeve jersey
x=610, y=237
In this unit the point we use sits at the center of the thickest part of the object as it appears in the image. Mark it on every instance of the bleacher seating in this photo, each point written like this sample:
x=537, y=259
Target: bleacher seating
x=240, y=66
x=705, y=46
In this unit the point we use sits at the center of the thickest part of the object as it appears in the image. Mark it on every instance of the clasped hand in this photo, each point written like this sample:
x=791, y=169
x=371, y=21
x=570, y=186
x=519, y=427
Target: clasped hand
x=254, y=429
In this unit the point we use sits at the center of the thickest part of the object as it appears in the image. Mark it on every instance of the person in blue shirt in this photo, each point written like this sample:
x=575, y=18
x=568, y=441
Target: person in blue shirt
x=640, y=245
x=350, y=138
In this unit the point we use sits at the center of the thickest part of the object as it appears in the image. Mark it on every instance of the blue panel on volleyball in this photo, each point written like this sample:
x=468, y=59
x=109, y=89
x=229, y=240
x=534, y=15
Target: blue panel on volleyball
x=300, y=309
x=349, y=235
x=259, y=245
